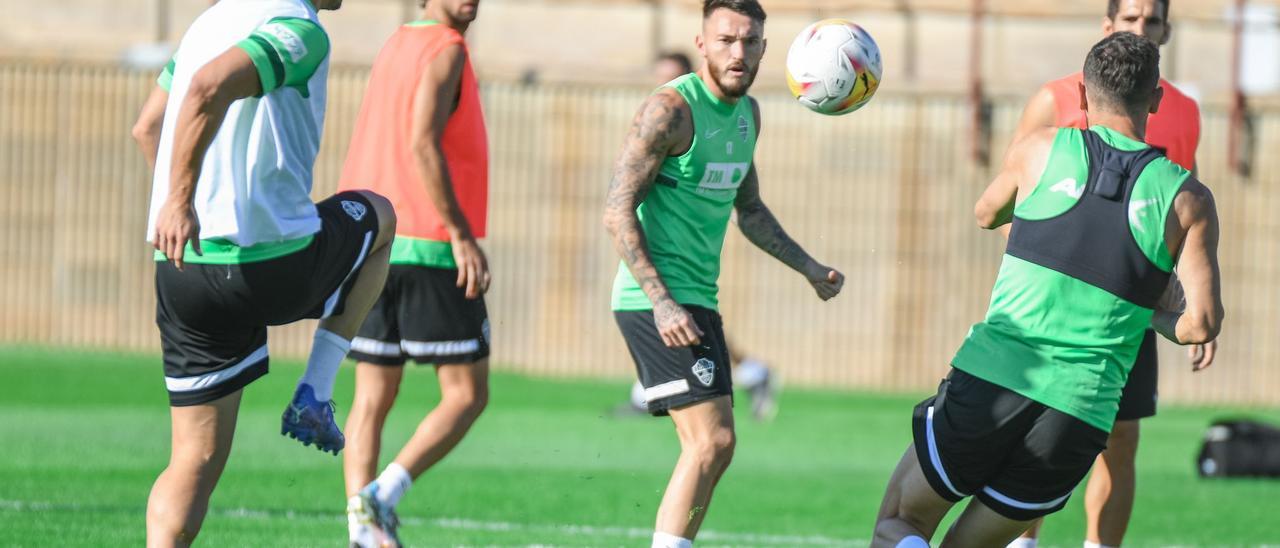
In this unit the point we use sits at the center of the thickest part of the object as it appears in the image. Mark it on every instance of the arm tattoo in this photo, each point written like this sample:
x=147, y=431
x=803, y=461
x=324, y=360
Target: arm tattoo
x=655, y=129
x=759, y=225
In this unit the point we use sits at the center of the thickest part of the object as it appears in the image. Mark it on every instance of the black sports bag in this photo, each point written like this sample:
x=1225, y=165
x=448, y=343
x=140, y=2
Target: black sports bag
x=1240, y=448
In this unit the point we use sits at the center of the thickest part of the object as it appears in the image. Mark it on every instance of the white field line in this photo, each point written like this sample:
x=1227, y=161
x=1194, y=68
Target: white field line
x=531, y=530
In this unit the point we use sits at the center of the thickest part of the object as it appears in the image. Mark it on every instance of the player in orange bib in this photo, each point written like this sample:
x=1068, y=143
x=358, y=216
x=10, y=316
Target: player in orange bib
x=420, y=141
x=1175, y=128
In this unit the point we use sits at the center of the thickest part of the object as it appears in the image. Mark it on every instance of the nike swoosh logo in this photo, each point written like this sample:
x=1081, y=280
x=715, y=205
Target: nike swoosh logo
x=1136, y=213
x=712, y=133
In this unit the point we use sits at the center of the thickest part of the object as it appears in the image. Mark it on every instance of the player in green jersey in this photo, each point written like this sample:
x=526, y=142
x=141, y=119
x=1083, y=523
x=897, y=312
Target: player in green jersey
x=685, y=167
x=750, y=373
x=1100, y=219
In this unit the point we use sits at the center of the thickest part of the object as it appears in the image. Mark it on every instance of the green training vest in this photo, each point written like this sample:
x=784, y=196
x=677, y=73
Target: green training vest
x=686, y=214
x=1052, y=337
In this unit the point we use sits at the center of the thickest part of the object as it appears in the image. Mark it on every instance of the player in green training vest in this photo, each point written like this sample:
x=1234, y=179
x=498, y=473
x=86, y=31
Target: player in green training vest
x=1099, y=221
x=685, y=168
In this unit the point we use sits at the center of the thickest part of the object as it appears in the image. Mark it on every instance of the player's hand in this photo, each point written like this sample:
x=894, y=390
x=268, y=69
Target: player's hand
x=675, y=324
x=473, y=267
x=176, y=224
x=827, y=282
x=1202, y=355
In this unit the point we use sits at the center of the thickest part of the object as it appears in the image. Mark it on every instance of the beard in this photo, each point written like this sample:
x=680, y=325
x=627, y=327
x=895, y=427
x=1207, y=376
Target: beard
x=731, y=84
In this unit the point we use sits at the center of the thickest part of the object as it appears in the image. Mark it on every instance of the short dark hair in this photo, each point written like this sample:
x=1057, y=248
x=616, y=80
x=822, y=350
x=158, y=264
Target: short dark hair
x=676, y=57
x=1123, y=70
x=1113, y=7
x=749, y=8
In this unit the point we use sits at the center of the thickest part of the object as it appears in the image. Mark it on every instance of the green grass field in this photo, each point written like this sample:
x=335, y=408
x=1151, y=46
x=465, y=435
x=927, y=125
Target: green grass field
x=84, y=435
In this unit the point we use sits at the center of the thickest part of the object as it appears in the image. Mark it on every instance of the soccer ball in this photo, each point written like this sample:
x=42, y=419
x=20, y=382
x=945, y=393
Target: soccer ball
x=833, y=67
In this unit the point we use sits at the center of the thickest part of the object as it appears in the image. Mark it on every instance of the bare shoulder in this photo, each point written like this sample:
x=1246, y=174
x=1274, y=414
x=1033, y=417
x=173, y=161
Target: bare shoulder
x=1194, y=202
x=1042, y=108
x=445, y=66
x=665, y=108
x=450, y=56
x=664, y=122
x=1034, y=144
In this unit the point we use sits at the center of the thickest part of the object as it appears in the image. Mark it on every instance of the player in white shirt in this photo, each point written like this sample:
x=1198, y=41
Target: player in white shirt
x=232, y=130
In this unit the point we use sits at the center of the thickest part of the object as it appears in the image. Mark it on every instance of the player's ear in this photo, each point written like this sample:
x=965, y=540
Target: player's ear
x=1155, y=100
x=1168, y=33
x=1108, y=26
x=700, y=44
x=1084, y=102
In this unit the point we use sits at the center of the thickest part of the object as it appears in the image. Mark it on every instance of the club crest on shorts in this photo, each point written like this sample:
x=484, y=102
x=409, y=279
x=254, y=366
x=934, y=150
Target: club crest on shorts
x=705, y=370
x=356, y=210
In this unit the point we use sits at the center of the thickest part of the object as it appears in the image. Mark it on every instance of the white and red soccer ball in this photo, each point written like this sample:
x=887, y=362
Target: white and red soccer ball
x=833, y=67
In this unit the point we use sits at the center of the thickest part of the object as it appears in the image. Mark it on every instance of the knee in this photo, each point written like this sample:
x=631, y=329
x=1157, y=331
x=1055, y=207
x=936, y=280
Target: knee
x=386, y=214
x=469, y=400
x=199, y=465
x=375, y=403
x=1122, y=445
x=198, y=458
x=715, y=448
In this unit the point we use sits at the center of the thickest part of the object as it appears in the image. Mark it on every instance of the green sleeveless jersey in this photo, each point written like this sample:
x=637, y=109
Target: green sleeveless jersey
x=686, y=214
x=1054, y=338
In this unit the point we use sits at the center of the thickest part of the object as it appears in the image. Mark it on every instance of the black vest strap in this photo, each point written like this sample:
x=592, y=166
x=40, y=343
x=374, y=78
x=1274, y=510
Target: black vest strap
x=1092, y=241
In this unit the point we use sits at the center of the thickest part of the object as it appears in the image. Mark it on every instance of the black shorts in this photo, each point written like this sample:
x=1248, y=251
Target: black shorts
x=213, y=318
x=1019, y=457
x=676, y=377
x=1138, y=400
x=422, y=314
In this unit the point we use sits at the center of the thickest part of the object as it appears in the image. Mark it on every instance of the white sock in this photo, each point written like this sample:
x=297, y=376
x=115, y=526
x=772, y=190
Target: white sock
x=667, y=540
x=913, y=542
x=327, y=353
x=1022, y=542
x=354, y=526
x=392, y=484
x=750, y=373
x=1088, y=544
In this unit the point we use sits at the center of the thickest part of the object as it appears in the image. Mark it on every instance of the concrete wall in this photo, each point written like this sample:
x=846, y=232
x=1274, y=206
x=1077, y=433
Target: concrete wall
x=612, y=42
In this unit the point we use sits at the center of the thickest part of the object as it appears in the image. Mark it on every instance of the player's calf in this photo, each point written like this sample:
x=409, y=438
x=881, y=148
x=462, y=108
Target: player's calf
x=353, y=248
x=1110, y=491
x=201, y=442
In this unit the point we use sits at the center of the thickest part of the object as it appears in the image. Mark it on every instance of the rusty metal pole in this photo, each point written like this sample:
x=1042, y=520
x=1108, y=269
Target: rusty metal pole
x=655, y=29
x=1235, y=134
x=163, y=8
x=408, y=10
x=977, y=126
x=911, y=38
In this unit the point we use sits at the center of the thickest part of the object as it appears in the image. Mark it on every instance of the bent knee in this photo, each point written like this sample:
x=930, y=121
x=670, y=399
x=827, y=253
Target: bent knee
x=469, y=400
x=203, y=463
x=385, y=211
x=377, y=403
x=715, y=447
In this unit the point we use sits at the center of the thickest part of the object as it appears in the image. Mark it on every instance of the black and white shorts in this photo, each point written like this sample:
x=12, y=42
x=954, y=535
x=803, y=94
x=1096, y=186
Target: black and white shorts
x=676, y=377
x=213, y=318
x=1019, y=457
x=423, y=315
x=1141, y=390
